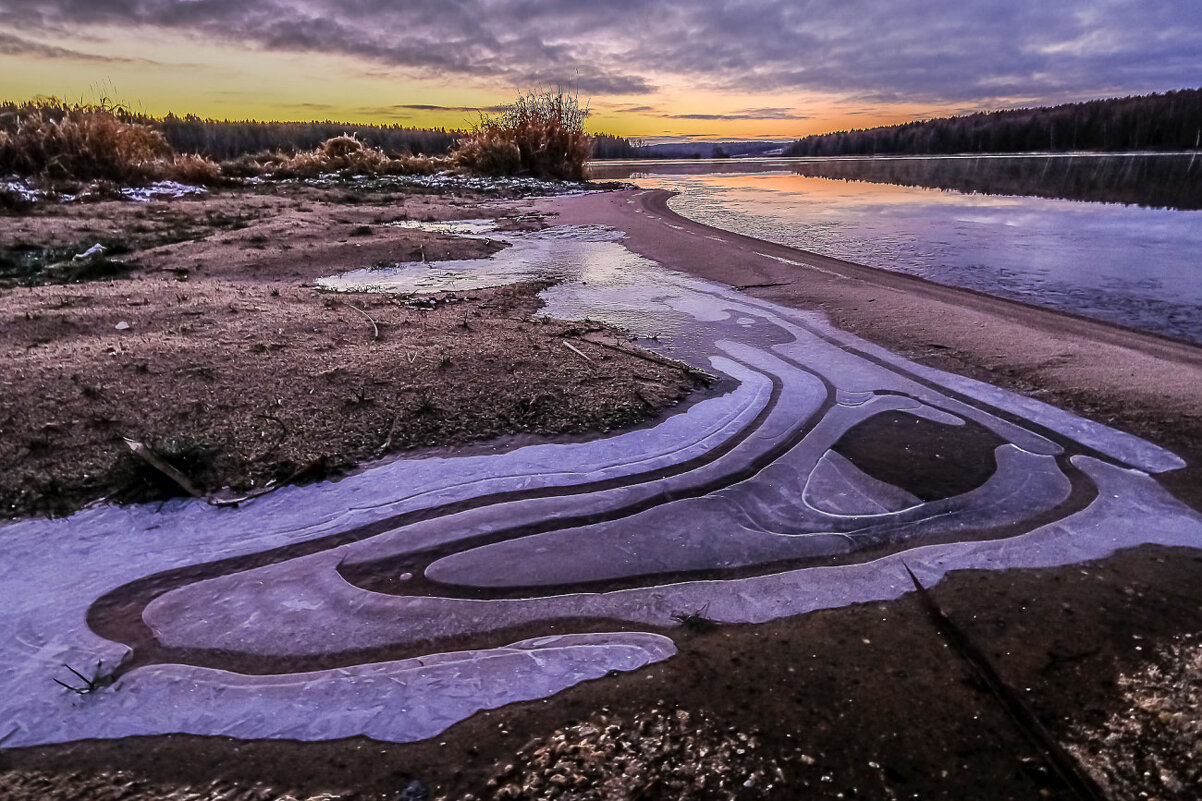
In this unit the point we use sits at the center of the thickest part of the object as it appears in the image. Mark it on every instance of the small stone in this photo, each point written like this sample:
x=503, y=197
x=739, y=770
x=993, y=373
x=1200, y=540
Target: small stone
x=122, y=326
x=414, y=791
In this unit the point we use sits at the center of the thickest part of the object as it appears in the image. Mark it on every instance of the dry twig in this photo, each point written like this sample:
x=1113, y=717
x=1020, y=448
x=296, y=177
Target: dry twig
x=375, y=326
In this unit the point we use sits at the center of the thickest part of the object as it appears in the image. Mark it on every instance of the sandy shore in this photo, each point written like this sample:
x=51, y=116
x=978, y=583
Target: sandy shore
x=1142, y=383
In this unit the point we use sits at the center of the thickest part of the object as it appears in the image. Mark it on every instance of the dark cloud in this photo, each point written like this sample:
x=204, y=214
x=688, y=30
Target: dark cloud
x=426, y=107
x=16, y=46
x=917, y=51
x=744, y=114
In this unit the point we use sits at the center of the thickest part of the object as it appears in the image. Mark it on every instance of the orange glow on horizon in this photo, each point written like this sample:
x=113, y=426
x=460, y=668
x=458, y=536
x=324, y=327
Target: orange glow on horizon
x=173, y=73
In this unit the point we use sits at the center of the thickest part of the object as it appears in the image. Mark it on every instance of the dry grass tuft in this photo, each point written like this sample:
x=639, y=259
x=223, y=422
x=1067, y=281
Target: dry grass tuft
x=343, y=154
x=50, y=139
x=540, y=134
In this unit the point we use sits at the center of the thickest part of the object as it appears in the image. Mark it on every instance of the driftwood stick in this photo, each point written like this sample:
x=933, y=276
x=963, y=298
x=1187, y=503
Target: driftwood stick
x=654, y=358
x=154, y=460
x=576, y=350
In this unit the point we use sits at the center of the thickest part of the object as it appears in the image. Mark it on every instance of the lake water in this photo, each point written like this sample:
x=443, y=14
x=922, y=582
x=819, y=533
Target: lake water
x=1115, y=238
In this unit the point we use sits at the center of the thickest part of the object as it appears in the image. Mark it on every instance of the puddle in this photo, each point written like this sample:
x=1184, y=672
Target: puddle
x=594, y=275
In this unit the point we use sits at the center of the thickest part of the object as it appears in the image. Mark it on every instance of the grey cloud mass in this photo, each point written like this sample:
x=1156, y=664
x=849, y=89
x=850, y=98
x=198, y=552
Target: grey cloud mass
x=16, y=46
x=905, y=50
x=744, y=114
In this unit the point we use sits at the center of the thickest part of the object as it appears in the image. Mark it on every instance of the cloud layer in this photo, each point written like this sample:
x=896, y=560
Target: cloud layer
x=928, y=51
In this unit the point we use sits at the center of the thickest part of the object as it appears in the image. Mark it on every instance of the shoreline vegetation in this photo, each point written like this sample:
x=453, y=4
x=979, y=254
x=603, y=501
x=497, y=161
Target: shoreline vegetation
x=53, y=143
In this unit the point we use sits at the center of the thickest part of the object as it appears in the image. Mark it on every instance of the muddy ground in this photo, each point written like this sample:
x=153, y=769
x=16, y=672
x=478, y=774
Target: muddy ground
x=217, y=351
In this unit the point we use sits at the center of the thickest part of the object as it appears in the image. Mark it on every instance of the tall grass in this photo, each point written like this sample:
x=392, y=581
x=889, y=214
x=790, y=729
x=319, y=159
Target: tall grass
x=539, y=134
x=54, y=140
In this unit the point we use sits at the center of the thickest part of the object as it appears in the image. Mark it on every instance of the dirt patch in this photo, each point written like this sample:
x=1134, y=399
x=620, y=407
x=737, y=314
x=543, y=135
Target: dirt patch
x=661, y=754
x=219, y=355
x=1153, y=746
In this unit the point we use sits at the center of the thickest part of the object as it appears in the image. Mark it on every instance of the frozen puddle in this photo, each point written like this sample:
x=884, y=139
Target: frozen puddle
x=398, y=601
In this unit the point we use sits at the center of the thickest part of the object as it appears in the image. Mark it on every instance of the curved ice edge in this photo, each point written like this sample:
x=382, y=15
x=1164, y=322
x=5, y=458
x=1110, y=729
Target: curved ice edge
x=401, y=701
x=1127, y=448
x=184, y=526
x=1117, y=519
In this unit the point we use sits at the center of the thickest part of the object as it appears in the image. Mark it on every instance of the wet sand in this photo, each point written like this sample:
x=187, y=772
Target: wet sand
x=1145, y=384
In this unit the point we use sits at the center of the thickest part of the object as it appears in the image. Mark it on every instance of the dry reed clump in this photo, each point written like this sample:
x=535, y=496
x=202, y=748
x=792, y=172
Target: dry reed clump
x=52, y=140
x=343, y=154
x=540, y=134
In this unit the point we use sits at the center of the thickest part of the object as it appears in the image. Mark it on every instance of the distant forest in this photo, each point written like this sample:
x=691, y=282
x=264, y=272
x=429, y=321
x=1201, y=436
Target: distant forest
x=223, y=139
x=1169, y=121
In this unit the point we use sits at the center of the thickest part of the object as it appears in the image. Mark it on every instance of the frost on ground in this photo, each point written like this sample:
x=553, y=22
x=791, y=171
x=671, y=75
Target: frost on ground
x=1153, y=747
x=521, y=185
x=20, y=191
x=161, y=189
x=661, y=754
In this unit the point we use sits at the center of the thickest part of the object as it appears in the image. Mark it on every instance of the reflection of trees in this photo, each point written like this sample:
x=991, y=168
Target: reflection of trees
x=1157, y=181
x=1169, y=121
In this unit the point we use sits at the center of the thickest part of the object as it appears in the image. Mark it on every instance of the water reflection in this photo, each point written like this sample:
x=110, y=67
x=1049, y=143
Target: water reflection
x=1171, y=181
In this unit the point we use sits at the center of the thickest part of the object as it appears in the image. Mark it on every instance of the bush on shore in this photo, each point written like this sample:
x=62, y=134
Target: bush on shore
x=53, y=140
x=539, y=134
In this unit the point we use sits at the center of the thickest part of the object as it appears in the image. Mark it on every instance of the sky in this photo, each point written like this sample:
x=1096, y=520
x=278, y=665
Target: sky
x=654, y=69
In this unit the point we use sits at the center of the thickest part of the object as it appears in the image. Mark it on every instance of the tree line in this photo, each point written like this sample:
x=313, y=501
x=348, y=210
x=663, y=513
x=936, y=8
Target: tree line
x=225, y=139
x=1168, y=121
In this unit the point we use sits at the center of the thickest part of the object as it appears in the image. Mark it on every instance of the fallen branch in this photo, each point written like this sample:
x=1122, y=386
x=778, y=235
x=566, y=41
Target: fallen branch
x=745, y=287
x=375, y=327
x=655, y=358
x=317, y=464
x=154, y=460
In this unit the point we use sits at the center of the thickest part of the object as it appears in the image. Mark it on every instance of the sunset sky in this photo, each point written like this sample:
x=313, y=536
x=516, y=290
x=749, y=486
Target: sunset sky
x=678, y=68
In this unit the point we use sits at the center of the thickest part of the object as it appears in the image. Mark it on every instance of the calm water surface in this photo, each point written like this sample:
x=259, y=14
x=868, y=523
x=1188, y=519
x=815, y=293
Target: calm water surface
x=1139, y=266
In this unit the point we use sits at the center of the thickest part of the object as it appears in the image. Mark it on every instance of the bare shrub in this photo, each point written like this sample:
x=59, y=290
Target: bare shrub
x=540, y=134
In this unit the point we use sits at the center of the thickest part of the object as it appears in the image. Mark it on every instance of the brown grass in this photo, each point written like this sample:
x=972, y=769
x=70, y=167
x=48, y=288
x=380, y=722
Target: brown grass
x=53, y=140
x=343, y=154
x=540, y=134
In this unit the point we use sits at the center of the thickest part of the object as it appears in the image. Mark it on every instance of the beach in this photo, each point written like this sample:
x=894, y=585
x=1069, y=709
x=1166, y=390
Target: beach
x=866, y=700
